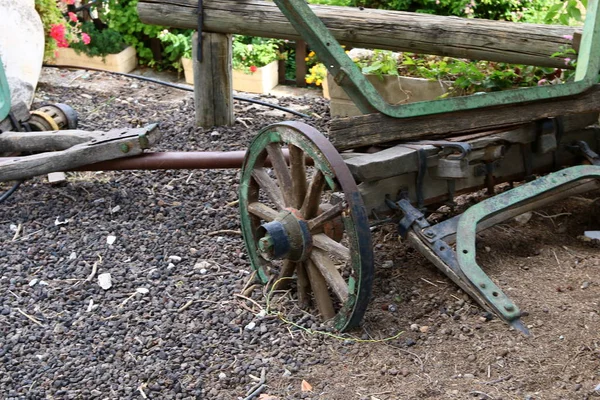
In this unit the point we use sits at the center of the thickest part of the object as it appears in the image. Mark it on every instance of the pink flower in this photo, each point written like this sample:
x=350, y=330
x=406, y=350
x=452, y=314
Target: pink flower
x=542, y=82
x=73, y=17
x=253, y=68
x=85, y=38
x=57, y=32
x=567, y=61
x=568, y=37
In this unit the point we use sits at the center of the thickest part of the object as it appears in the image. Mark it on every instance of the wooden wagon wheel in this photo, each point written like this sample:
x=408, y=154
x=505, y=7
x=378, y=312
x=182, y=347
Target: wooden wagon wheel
x=305, y=220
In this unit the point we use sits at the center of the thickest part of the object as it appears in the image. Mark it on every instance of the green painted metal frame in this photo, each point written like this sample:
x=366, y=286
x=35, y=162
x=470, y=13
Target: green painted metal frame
x=366, y=97
x=4, y=94
x=467, y=230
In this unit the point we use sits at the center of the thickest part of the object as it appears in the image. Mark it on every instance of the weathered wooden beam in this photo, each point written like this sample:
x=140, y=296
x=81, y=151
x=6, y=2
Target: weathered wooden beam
x=379, y=29
x=372, y=129
x=213, y=95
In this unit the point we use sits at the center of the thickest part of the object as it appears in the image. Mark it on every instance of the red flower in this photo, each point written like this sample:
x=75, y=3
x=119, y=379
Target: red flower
x=57, y=32
x=73, y=17
x=85, y=38
x=253, y=68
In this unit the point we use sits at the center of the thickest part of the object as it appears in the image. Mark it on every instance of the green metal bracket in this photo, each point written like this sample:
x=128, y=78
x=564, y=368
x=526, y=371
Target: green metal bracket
x=367, y=99
x=467, y=230
x=4, y=94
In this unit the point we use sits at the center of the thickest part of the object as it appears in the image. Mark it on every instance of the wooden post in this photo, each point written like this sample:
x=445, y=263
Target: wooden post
x=213, y=93
x=301, y=63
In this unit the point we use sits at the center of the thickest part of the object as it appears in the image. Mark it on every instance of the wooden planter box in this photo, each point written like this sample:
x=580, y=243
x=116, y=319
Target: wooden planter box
x=125, y=61
x=263, y=80
x=188, y=70
x=394, y=89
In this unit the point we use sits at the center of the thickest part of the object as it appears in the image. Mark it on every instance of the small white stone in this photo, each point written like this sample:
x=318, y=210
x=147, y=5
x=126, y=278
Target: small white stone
x=91, y=306
x=43, y=283
x=142, y=290
x=222, y=376
x=110, y=239
x=58, y=222
x=33, y=282
x=203, y=271
x=105, y=281
x=73, y=256
x=414, y=327
x=220, y=239
x=250, y=326
x=175, y=258
x=170, y=266
x=115, y=209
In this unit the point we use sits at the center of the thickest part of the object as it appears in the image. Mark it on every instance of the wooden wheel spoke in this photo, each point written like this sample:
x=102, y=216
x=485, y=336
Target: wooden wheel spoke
x=330, y=273
x=310, y=207
x=298, y=168
x=320, y=291
x=282, y=172
x=303, y=285
x=325, y=216
x=330, y=246
x=262, y=211
x=269, y=187
x=287, y=270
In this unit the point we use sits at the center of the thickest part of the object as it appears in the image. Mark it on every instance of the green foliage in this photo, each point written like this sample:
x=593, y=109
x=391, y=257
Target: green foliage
x=250, y=53
x=50, y=15
x=102, y=42
x=538, y=11
x=176, y=46
x=122, y=16
x=381, y=62
x=470, y=77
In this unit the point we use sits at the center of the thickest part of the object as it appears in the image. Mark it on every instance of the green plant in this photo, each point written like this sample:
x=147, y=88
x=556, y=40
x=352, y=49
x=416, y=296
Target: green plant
x=380, y=62
x=58, y=32
x=251, y=53
x=102, y=42
x=176, y=46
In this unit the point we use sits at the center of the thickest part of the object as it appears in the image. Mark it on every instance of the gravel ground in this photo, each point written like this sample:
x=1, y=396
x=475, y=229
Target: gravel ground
x=173, y=326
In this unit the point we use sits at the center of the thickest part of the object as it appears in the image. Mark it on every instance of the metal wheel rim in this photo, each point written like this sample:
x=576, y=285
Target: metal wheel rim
x=336, y=174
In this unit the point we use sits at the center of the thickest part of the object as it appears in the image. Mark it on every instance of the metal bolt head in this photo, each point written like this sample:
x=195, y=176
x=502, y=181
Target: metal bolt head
x=124, y=147
x=509, y=307
x=429, y=233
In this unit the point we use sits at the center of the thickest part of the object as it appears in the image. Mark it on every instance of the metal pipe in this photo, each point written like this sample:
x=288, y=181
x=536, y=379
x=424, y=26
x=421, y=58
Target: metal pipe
x=171, y=160
x=177, y=160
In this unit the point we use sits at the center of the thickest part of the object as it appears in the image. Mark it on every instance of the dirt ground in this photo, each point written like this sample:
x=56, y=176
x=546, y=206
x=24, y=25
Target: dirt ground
x=421, y=338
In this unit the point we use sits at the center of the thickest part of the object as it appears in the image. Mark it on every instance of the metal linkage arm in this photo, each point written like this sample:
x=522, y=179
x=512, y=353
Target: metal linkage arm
x=66, y=150
x=368, y=100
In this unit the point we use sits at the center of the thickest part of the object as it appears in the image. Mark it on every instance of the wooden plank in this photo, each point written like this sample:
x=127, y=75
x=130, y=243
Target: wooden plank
x=330, y=273
x=320, y=291
x=213, y=95
x=371, y=129
x=107, y=146
x=269, y=187
x=301, y=70
x=376, y=29
x=298, y=170
x=310, y=207
x=262, y=211
x=284, y=178
x=324, y=242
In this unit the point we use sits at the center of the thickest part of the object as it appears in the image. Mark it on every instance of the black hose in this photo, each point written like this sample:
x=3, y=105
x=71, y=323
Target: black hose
x=10, y=191
x=181, y=87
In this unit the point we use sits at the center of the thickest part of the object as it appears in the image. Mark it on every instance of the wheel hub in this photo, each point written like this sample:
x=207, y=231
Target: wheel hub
x=286, y=237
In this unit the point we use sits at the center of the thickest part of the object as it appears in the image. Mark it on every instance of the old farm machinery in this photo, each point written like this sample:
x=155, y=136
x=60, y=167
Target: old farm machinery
x=306, y=201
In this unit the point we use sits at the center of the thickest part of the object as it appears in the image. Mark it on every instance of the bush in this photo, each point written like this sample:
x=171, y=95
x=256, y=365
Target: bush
x=102, y=42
